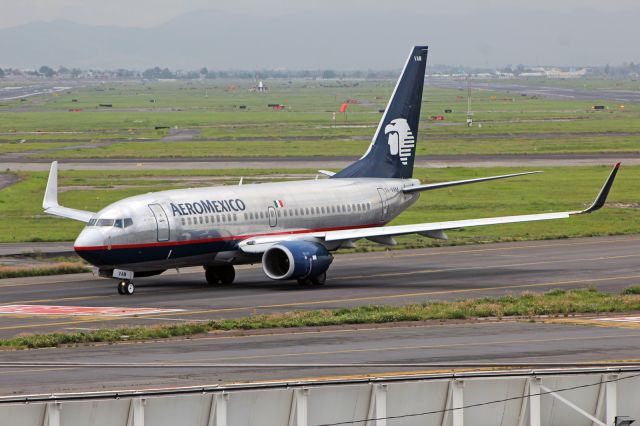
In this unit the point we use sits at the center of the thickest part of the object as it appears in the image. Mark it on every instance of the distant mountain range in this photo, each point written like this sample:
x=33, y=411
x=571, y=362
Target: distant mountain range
x=330, y=39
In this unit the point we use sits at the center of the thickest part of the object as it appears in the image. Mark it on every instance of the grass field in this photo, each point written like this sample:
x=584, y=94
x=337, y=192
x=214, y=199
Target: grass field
x=510, y=123
x=558, y=189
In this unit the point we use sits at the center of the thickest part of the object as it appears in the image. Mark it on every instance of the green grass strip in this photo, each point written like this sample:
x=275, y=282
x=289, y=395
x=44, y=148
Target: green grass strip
x=554, y=303
x=37, y=271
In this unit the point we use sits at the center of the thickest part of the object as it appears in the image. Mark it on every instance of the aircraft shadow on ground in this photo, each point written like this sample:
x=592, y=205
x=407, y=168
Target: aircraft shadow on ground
x=458, y=279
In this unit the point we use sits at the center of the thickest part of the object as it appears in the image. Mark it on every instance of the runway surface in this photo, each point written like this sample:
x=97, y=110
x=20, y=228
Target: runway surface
x=27, y=90
x=394, y=277
x=331, y=163
x=505, y=341
x=608, y=94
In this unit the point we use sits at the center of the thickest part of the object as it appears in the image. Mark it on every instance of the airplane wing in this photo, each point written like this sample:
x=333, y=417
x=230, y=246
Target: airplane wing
x=50, y=202
x=260, y=244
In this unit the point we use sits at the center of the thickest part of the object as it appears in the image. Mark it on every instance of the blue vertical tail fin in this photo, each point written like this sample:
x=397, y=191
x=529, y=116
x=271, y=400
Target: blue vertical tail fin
x=393, y=147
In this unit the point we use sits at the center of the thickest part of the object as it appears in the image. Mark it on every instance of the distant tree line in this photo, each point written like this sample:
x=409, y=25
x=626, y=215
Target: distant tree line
x=625, y=70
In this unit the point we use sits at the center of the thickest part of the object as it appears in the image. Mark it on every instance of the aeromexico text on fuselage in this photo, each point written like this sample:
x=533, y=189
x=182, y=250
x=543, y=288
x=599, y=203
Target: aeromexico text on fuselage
x=208, y=206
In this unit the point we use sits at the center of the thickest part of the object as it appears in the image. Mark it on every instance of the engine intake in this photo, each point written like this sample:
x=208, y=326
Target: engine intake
x=295, y=259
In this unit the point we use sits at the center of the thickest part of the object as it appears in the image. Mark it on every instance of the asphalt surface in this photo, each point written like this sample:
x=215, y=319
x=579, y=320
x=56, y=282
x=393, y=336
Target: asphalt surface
x=608, y=94
x=505, y=341
x=322, y=163
x=25, y=91
x=609, y=263
x=394, y=277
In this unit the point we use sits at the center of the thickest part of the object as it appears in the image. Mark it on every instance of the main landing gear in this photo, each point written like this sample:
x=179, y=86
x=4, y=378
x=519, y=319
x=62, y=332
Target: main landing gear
x=224, y=274
x=315, y=280
x=126, y=287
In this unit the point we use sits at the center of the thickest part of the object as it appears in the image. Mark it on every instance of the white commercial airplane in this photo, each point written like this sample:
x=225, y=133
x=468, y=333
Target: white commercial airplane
x=290, y=227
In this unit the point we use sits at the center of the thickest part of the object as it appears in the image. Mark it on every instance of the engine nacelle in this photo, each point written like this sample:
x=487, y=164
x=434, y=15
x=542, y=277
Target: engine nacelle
x=295, y=259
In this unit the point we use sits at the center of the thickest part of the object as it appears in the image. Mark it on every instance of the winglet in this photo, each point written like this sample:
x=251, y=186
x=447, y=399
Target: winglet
x=50, y=201
x=604, y=192
x=51, y=193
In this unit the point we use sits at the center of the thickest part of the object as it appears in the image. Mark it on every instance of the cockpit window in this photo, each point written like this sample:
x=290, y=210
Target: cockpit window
x=118, y=223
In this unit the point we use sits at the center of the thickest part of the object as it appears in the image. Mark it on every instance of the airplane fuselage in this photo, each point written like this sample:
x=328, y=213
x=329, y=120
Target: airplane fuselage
x=203, y=226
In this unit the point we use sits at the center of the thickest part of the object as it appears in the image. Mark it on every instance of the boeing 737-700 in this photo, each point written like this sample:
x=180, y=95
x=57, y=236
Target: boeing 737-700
x=292, y=228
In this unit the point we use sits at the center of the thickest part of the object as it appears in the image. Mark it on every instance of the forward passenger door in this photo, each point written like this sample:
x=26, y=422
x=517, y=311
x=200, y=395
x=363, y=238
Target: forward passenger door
x=162, y=221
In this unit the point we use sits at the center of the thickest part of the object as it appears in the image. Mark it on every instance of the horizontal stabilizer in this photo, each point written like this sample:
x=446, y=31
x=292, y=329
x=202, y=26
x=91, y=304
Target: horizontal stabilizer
x=440, y=185
x=50, y=201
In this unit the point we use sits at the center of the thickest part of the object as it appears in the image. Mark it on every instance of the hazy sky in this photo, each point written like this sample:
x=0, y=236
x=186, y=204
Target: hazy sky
x=145, y=13
x=316, y=34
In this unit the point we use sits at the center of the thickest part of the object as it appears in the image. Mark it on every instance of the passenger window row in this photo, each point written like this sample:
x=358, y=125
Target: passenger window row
x=203, y=220
x=311, y=211
x=262, y=215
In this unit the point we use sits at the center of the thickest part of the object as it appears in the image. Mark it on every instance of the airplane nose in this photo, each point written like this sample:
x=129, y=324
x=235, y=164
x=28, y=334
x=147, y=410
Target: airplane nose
x=89, y=238
x=89, y=244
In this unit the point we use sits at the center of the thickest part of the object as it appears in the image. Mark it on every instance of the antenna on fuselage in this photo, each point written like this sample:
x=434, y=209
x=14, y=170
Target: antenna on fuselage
x=241, y=179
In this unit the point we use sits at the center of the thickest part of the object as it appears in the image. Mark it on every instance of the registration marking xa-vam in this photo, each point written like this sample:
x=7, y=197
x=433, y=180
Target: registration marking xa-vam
x=81, y=310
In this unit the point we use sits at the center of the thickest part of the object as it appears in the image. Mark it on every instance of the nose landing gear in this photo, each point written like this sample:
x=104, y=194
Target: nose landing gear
x=126, y=287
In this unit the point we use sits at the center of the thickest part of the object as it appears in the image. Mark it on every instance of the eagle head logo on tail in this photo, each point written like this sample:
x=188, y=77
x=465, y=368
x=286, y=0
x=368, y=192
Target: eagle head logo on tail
x=401, y=141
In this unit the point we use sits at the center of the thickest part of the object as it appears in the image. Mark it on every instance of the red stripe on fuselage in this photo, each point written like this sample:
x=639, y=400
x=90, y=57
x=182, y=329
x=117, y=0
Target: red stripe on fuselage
x=217, y=239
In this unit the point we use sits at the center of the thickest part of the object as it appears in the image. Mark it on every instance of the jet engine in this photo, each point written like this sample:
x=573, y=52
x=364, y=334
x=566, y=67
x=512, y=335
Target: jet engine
x=295, y=260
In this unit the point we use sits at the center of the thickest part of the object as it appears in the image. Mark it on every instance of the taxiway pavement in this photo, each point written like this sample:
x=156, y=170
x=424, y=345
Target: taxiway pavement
x=603, y=94
x=392, y=277
x=330, y=163
x=278, y=355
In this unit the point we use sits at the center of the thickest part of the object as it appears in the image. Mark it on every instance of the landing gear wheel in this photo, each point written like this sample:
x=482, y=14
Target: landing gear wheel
x=211, y=276
x=126, y=287
x=304, y=281
x=227, y=274
x=319, y=279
